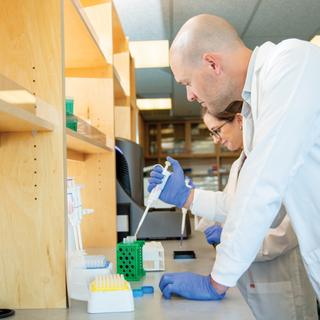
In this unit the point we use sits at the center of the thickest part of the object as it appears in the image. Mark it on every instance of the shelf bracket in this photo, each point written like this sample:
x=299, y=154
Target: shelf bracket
x=34, y=133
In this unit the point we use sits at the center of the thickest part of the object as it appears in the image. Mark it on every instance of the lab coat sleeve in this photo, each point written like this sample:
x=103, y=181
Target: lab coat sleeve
x=277, y=242
x=213, y=206
x=287, y=125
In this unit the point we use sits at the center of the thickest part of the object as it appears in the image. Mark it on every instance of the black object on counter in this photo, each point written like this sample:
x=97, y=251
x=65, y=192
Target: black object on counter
x=189, y=254
x=5, y=313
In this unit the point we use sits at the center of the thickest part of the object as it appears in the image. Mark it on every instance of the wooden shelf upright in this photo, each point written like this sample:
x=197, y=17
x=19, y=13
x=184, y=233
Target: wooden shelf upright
x=52, y=58
x=32, y=167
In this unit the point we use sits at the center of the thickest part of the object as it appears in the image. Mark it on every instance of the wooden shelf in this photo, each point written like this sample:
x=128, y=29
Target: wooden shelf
x=181, y=156
x=82, y=49
x=201, y=174
x=119, y=92
x=224, y=172
x=229, y=155
x=80, y=143
x=14, y=119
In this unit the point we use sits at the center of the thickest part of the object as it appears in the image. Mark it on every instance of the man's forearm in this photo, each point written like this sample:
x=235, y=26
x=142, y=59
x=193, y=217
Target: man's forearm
x=218, y=287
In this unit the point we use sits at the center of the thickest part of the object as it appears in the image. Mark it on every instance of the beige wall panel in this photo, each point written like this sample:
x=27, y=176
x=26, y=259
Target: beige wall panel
x=97, y=174
x=118, y=34
x=89, y=3
x=123, y=122
x=81, y=41
x=104, y=73
x=122, y=65
x=32, y=267
x=101, y=18
x=74, y=155
x=93, y=99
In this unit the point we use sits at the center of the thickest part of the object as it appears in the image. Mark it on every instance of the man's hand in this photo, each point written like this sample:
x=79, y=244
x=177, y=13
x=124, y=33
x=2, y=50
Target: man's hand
x=189, y=285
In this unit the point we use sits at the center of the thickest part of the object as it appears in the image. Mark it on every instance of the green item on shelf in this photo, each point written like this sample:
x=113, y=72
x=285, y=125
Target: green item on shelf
x=130, y=260
x=72, y=124
x=69, y=106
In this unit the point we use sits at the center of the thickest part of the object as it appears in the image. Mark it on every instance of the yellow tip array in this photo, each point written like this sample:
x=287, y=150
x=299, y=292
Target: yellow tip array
x=109, y=282
x=167, y=162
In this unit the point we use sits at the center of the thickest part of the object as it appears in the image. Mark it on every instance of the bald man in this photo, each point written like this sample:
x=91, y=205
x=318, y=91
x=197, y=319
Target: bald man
x=279, y=87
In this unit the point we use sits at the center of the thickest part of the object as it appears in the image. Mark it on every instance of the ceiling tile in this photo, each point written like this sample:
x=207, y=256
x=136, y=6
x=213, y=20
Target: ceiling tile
x=237, y=12
x=252, y=42
x=286, y=17
x=144, y=20
x=153, y=80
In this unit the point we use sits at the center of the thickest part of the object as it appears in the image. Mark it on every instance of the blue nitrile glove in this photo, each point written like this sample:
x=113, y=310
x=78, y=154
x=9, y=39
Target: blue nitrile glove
x=175, y=191
x=213, y=234
x=188, y=285
x=190, y=182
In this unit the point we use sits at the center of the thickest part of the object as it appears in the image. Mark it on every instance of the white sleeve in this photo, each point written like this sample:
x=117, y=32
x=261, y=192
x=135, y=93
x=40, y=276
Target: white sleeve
x=287, y=125
x=277, y=242
x=213, y=206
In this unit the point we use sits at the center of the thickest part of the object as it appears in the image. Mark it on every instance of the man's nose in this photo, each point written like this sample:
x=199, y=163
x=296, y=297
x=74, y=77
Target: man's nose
x=190, y=95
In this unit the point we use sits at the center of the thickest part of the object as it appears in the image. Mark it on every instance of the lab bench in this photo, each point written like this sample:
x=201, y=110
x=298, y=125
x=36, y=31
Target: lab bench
x=155, y=306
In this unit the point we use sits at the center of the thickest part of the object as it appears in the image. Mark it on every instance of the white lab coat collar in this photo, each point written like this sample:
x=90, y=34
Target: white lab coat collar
x=249, y=94
x=246, y=93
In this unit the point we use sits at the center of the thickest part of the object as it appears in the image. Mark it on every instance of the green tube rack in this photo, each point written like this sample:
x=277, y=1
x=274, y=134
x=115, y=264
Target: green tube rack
x=130, y=260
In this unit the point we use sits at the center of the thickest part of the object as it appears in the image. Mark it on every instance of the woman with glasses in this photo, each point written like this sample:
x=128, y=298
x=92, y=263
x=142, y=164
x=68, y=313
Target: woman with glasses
x=276, y=285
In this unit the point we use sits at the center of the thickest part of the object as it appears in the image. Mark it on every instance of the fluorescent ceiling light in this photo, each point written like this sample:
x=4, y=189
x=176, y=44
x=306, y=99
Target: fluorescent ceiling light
x=316, y=40
x=154, y=104
x=150, y=54
x=17, y=97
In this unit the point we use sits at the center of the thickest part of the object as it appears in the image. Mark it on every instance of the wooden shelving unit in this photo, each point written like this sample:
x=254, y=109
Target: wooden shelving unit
x=188, y=159
x=53, y=58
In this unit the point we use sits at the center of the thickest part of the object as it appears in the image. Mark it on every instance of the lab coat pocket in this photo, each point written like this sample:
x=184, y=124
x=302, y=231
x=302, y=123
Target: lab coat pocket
x=271, y=300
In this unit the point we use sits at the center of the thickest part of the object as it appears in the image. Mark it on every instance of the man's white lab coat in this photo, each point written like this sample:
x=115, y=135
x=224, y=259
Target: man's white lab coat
x=276, y=285
x=281, y=117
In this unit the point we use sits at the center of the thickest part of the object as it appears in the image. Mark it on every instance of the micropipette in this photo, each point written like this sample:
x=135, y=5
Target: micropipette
x=184, y=213
x=155, y=193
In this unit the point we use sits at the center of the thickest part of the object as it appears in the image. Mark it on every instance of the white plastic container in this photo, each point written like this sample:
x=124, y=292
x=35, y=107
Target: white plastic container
x=153, y=256
x=120, y=299
x=79, y=277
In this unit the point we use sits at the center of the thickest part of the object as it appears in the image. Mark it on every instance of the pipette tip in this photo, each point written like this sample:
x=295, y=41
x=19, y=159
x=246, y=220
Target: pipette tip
x=181, y=241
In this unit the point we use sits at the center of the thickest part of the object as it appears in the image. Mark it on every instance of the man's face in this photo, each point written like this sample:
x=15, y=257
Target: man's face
x=203, y=85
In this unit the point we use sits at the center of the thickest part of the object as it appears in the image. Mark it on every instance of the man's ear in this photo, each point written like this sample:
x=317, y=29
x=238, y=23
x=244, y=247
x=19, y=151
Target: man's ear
x=212, y=62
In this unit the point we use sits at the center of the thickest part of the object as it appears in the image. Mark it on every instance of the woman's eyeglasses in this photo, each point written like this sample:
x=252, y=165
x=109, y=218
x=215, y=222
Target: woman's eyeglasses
x=215, y=133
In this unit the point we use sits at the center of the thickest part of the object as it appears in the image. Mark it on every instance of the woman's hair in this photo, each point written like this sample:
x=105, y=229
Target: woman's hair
x=230, y=112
